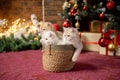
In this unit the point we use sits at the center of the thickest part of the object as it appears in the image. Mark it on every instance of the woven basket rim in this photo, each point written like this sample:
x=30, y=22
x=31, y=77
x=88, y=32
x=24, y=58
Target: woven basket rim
x=58, y=47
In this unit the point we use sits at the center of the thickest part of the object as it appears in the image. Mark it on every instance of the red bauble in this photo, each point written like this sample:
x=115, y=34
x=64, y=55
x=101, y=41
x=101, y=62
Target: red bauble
x=70, y=1
x=102, y=15
x=84, y=8
x=56, y=27
x=110, y=5
x=66, y=23
x=104, y=41
x=73, y=11
x=118, y=38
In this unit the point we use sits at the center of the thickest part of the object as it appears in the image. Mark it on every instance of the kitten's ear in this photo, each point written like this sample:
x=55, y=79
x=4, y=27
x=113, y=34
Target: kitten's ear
x=41, y=40
x=73, y=29
x=64, y=28
x=49, y=23
x=41, y=22
x=51, y=35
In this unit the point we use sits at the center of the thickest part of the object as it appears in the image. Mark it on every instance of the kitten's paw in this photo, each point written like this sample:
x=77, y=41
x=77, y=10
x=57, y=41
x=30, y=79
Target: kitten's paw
x=74, y=59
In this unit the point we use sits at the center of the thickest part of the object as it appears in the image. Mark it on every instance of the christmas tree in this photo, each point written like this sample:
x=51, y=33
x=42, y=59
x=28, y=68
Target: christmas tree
x=78, y=13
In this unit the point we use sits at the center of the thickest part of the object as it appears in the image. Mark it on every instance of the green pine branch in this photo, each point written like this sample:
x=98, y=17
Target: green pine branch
x=15, y=44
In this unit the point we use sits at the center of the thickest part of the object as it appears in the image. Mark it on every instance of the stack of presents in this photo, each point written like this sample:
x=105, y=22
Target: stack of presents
x=95, y=41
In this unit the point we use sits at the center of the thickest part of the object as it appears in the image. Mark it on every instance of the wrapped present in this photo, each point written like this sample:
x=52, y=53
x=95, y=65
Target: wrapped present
x=109, y=49
x=118, y=38
x=105, y=51
x=97, y=26
x=117, y=51
x=90, y=41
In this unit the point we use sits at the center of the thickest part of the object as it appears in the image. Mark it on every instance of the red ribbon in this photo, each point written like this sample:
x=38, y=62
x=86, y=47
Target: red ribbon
x=106, y=51
x=85, y=42
x=90, y=42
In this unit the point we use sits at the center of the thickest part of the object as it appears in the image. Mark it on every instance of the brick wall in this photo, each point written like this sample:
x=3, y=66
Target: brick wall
x=52, y=8
x=13, y=9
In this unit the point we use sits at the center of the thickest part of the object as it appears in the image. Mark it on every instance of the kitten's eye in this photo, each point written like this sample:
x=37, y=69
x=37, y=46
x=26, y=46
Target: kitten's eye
x=43, y=29
x=46, y=39
x=68, y=35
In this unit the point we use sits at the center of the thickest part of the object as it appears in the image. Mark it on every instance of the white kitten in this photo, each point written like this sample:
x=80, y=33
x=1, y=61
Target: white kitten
x=49, y=38
x=21, y=32
x=36, y=24
x=33, y=17
x=71, y=36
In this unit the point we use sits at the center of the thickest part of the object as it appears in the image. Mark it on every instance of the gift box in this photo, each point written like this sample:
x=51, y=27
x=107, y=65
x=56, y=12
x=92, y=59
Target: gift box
x=109, y=50
x=90, y=41
x=105, y=51
x=117, y=51
x=97, y=26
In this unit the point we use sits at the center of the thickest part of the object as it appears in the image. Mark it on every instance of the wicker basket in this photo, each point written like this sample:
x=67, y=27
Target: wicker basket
x=58, y=58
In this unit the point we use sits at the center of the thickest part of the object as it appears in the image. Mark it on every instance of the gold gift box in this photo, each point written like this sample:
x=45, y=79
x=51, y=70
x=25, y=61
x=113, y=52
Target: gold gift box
x=97, y=26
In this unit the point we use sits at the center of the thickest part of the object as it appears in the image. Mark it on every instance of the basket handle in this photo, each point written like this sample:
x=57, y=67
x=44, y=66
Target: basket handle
x=49, y=50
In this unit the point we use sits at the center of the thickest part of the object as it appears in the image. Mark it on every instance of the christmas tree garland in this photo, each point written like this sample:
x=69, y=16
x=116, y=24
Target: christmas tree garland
x=15, y=44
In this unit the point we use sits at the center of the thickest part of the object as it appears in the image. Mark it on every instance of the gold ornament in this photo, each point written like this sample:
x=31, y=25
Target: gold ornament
x=73, y=1
x=77, y=24
x=75, y=6
x=66, y=4
x=36, y=38
x=94, y=6
x=111, y=47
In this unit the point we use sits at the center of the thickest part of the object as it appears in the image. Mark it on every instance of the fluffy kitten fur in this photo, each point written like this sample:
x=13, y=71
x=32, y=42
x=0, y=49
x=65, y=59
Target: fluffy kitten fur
x=48, y=26
x=71, y=36
x=49, y=38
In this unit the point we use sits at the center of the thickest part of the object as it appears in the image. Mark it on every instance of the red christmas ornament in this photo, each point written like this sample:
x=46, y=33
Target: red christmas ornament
x=73, y=11
x=84, y=8
x=66, y=23
x=56, y=27
x=104, y=41
x=70, y=1
x=110, y=5
x=102, y=15
x=118, y=38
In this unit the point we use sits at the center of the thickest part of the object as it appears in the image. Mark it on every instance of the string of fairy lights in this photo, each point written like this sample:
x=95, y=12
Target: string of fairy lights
x=18, y=24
